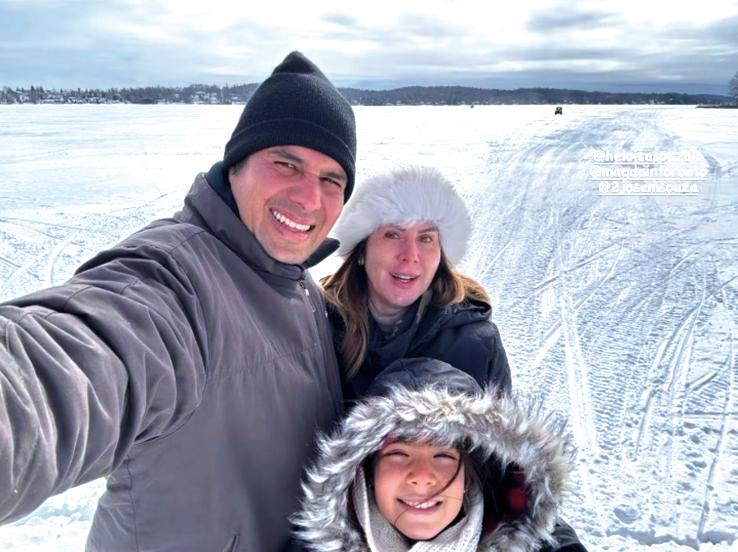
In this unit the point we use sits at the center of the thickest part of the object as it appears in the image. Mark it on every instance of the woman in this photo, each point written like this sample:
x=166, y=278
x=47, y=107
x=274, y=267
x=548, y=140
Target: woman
x=397, y=293
x=428, y=462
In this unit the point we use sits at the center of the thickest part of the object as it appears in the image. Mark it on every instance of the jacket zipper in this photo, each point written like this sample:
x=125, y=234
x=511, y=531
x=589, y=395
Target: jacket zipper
x=307, y=294
x=232, y=545
x=324, y=337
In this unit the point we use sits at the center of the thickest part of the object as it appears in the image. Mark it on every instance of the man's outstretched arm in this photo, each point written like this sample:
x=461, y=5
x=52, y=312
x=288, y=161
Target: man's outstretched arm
x=89, y=369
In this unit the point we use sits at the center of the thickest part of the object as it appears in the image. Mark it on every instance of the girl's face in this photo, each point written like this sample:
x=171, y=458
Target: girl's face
x=401, y=264
x=419, y=487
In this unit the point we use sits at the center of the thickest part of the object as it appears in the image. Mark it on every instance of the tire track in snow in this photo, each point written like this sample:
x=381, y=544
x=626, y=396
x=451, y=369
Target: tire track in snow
x=655, y=377
x=32, y=224
x=53, y=258
x=676, y=377
x=554, y=333
x=25, y=262
x=579, y=264
x=673, y=388
x=581, y=413
x=575, y=366
x=647, y=399
x=9, y=262
x=494, y=259
x=721, y=448
x=84, y=234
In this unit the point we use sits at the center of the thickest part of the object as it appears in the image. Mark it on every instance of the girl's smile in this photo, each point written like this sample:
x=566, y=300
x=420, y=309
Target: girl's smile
x=419, y=487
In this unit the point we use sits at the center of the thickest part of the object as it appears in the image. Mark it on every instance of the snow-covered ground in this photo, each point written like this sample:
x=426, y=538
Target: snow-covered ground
x=621, y=310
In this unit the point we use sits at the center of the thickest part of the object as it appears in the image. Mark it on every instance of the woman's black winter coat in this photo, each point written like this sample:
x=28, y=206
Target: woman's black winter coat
x=461, y=335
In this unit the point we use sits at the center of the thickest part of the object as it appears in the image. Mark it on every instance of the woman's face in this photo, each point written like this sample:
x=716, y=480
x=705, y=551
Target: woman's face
x=400, y=265
x=419, y=487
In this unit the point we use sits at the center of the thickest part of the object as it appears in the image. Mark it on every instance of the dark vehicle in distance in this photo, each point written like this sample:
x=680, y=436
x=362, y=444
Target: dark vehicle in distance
x=558, y=111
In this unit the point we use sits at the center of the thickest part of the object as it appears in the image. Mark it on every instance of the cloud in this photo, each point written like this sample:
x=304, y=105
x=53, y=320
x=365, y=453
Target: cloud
x=719, y=34
x=565, y=54
x=340, y=19
x=559, y=18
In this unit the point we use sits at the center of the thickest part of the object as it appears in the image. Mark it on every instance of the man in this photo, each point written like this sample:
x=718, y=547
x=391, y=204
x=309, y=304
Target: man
x=192, y=363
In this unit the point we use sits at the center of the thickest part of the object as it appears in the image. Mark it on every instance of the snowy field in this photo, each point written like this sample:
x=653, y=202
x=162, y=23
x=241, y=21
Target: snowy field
x=621, y=310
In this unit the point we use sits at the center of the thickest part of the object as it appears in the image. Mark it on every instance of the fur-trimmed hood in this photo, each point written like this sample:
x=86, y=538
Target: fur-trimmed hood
x=403, y=197
x=423, y=399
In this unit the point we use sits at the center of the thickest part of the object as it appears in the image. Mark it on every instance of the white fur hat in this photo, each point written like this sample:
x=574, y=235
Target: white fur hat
x=406, y=196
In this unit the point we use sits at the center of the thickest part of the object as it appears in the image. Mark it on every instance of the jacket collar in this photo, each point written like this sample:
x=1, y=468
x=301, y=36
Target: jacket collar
x=217, y=177
x=421, y=325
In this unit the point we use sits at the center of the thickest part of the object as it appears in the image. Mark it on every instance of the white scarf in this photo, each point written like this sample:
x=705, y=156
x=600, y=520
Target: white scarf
x=381, y=536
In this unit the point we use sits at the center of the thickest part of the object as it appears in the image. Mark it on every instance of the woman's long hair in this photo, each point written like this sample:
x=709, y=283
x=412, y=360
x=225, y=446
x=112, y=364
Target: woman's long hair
x=348, y=290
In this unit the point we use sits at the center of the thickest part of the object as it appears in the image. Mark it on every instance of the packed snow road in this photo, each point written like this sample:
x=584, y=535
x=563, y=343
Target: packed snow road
x=616, y=301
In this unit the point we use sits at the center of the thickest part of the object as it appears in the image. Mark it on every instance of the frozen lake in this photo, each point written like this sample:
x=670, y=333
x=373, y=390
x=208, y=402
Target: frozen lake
x=617, y=302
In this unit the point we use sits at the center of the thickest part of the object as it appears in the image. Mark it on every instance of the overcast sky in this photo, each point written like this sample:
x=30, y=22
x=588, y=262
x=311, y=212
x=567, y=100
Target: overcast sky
x=619, y=46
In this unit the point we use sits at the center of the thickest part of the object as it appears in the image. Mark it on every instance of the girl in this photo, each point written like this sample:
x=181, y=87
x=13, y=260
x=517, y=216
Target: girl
x=431, y=463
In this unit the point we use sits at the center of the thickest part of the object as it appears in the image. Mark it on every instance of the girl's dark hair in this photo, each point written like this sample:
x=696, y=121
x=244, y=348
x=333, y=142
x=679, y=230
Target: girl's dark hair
x=495, y=480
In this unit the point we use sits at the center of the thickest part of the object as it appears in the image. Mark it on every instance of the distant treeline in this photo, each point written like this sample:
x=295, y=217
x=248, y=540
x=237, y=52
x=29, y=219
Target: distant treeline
x=411, y=95
x=462, y=95
x=194, y=93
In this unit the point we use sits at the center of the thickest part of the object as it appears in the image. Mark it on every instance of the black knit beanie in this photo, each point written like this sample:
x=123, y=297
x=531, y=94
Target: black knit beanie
x=297, y=105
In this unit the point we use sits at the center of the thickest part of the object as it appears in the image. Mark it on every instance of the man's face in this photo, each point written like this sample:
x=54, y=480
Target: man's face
x=289, y=197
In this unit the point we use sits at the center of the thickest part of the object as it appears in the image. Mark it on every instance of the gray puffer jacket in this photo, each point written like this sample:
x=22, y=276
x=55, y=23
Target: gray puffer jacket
x=186, y=365
x=521, y=457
